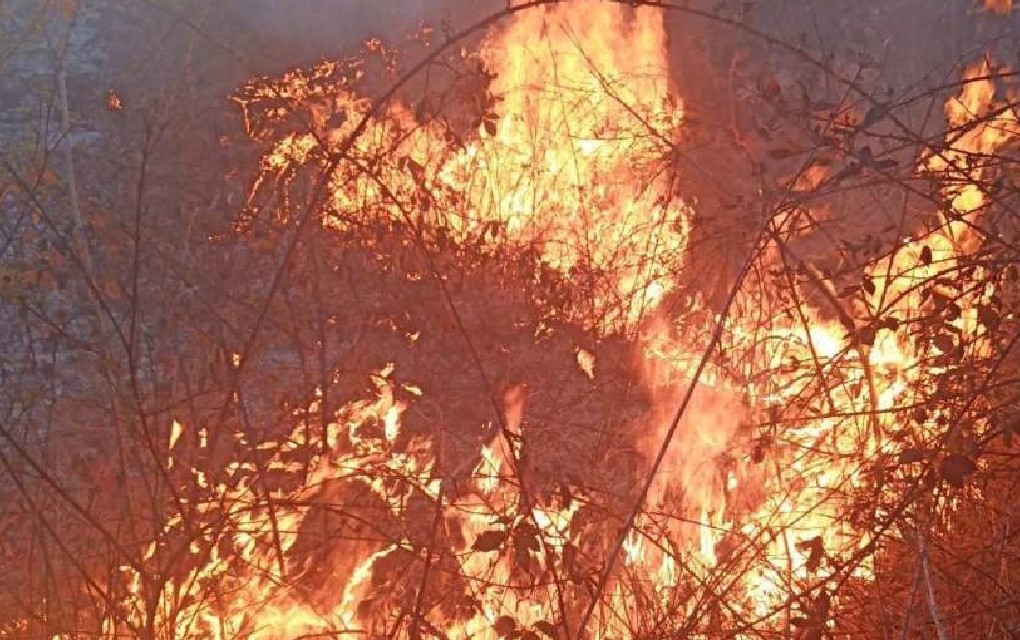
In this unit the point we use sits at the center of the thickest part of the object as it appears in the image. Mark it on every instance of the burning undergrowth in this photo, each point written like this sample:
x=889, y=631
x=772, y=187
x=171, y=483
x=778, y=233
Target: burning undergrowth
x=507, y=330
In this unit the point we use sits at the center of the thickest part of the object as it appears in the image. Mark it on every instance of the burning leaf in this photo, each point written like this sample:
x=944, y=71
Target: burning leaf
x=866, y=336
x=869, y=285
x=758, y=453
x=849, y=291
x=523, y=560
x=892, y=323
x=988, y=316
x=504, y=626
x=926, y=255
x=489, y=123
x=817, y=617
x=527, y=537
x=816, y=551
x=956, y=468
x=953, y=311
x=944, y=342
x=571, y=563
x=491, y=540
x=909, y=456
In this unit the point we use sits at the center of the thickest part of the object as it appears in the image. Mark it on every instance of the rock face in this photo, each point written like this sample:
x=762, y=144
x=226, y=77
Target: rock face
x=38, y=40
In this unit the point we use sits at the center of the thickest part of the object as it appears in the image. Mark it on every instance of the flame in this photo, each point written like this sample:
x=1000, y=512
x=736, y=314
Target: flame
x=176, y=429
x=1002, y=7
x=568, y=161
x=902, y=372
x=586, y=361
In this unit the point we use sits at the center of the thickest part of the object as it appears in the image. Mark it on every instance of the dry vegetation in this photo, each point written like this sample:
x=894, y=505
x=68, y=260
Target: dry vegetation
x=566, y=323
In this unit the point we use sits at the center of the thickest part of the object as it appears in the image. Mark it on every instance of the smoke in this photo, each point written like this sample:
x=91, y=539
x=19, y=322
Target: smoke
x=895, y=34
x=328, y=24
x=308, y=29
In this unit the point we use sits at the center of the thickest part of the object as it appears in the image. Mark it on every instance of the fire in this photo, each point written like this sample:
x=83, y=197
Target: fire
x=1003, y=7
x=573, y=160
x=884, y=370
x=568, y=160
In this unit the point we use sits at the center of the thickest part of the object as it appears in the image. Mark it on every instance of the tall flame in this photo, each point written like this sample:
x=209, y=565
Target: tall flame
x=574, y=160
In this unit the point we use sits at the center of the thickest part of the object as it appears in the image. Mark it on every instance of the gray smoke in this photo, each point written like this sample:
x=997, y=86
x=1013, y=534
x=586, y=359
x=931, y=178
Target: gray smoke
x=322, y=28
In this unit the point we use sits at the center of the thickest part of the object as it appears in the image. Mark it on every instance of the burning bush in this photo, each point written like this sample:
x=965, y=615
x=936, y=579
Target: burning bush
x=522, y=413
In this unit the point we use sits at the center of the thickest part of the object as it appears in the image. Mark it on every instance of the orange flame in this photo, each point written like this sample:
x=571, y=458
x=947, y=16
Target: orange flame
x=1003, y=7
x=570, y=162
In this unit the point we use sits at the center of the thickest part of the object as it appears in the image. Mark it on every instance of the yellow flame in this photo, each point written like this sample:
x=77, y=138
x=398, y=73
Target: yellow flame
x=566, y=163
